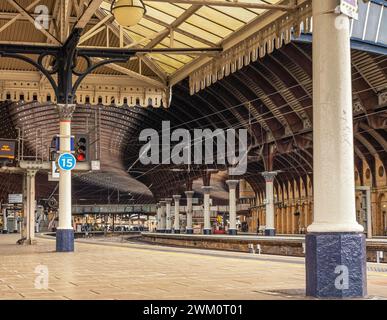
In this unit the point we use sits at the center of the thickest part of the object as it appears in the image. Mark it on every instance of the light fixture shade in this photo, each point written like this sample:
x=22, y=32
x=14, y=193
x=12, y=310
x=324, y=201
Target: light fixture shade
x=128, y=12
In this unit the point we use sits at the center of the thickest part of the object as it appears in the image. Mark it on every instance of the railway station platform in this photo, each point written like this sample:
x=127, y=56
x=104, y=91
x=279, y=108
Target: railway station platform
x=283, y=245
x=148, y=272
x=143, y=143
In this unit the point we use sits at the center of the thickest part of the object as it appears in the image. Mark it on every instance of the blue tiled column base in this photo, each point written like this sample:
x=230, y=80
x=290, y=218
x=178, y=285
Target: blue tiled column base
x=189, y=231
x=65, y=240
x=207, y=231
x=232, y=232
x=270, y=232
x=5, y=231
x=161, y=231
x=168, y=231
x=330, y=252
x=176, y=231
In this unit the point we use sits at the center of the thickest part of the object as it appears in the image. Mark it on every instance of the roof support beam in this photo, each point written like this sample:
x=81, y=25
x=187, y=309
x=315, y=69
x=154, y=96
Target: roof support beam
x=187, y=13
x=146, y=38
x=115, y=30
x=78, y=5
x=54, y=27
x=64, y=14
x=234, y=4
x=259, y=23
x=133, y=74
x=185, y=33
x=18, y=16
x=32, y=20
x=11, y=16
x=95, y=29
x=88, y=13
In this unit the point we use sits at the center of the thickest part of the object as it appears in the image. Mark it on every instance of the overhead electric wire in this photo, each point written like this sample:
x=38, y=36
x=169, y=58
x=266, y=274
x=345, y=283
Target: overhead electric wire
x=307, y=96
x=241, y=126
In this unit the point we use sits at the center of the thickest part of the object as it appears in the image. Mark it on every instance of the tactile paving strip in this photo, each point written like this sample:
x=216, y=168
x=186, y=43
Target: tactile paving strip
x=377, y=269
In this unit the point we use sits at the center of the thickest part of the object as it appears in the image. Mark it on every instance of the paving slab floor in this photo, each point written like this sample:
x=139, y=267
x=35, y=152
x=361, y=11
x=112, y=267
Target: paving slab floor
x=115, y=269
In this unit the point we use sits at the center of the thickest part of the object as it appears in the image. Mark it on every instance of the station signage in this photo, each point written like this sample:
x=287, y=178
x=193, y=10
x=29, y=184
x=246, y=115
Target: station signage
x=7, y=149
x=15, y=198
x=54, y=174
x=350, y=8
x=95, y=165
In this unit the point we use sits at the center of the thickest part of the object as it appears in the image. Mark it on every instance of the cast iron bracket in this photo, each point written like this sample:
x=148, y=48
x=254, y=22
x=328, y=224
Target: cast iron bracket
x=65, y=60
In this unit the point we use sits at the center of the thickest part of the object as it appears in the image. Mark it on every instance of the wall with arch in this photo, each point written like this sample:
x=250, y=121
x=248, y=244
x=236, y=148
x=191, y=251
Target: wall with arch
x=294, y=201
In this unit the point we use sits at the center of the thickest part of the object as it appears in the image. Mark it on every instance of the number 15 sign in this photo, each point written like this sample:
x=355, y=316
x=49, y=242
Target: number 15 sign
x=66, y=161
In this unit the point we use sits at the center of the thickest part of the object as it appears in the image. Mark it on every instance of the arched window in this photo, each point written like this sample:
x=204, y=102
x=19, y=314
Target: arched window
x=381, y=171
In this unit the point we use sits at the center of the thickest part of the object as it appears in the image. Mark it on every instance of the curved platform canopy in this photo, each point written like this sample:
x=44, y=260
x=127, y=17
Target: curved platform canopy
x=257, y=75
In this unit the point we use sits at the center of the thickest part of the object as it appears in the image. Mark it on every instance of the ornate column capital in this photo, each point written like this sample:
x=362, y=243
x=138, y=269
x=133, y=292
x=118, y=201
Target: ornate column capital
x=232, y=183
x=189, y=194
x=176, y=197
x=269, y=176
x=168, y=200
x=66, y=111
x=206, y=189
x=32, y=172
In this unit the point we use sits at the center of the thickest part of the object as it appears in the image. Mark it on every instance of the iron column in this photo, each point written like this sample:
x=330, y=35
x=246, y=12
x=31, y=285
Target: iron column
x=65, y=231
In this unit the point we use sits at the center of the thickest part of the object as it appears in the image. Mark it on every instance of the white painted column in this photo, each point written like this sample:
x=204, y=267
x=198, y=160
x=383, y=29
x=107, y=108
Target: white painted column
x=366, y=197
x=189, y=195
x=65, y=232
x=158, y=217
x=369, y=213
x=5, y=226
x=270, y=225
x=31, y=206
x=23, y=225
x=176, y=227
x=65, y=179
x=16, y=229
x=232, y=184
x=333, y=150
x=163, y=217
x=335, y=245
x=168, y=228
x=207, y=210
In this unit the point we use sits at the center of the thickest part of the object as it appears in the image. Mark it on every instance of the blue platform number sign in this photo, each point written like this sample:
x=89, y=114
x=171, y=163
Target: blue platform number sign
x=66, y=161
